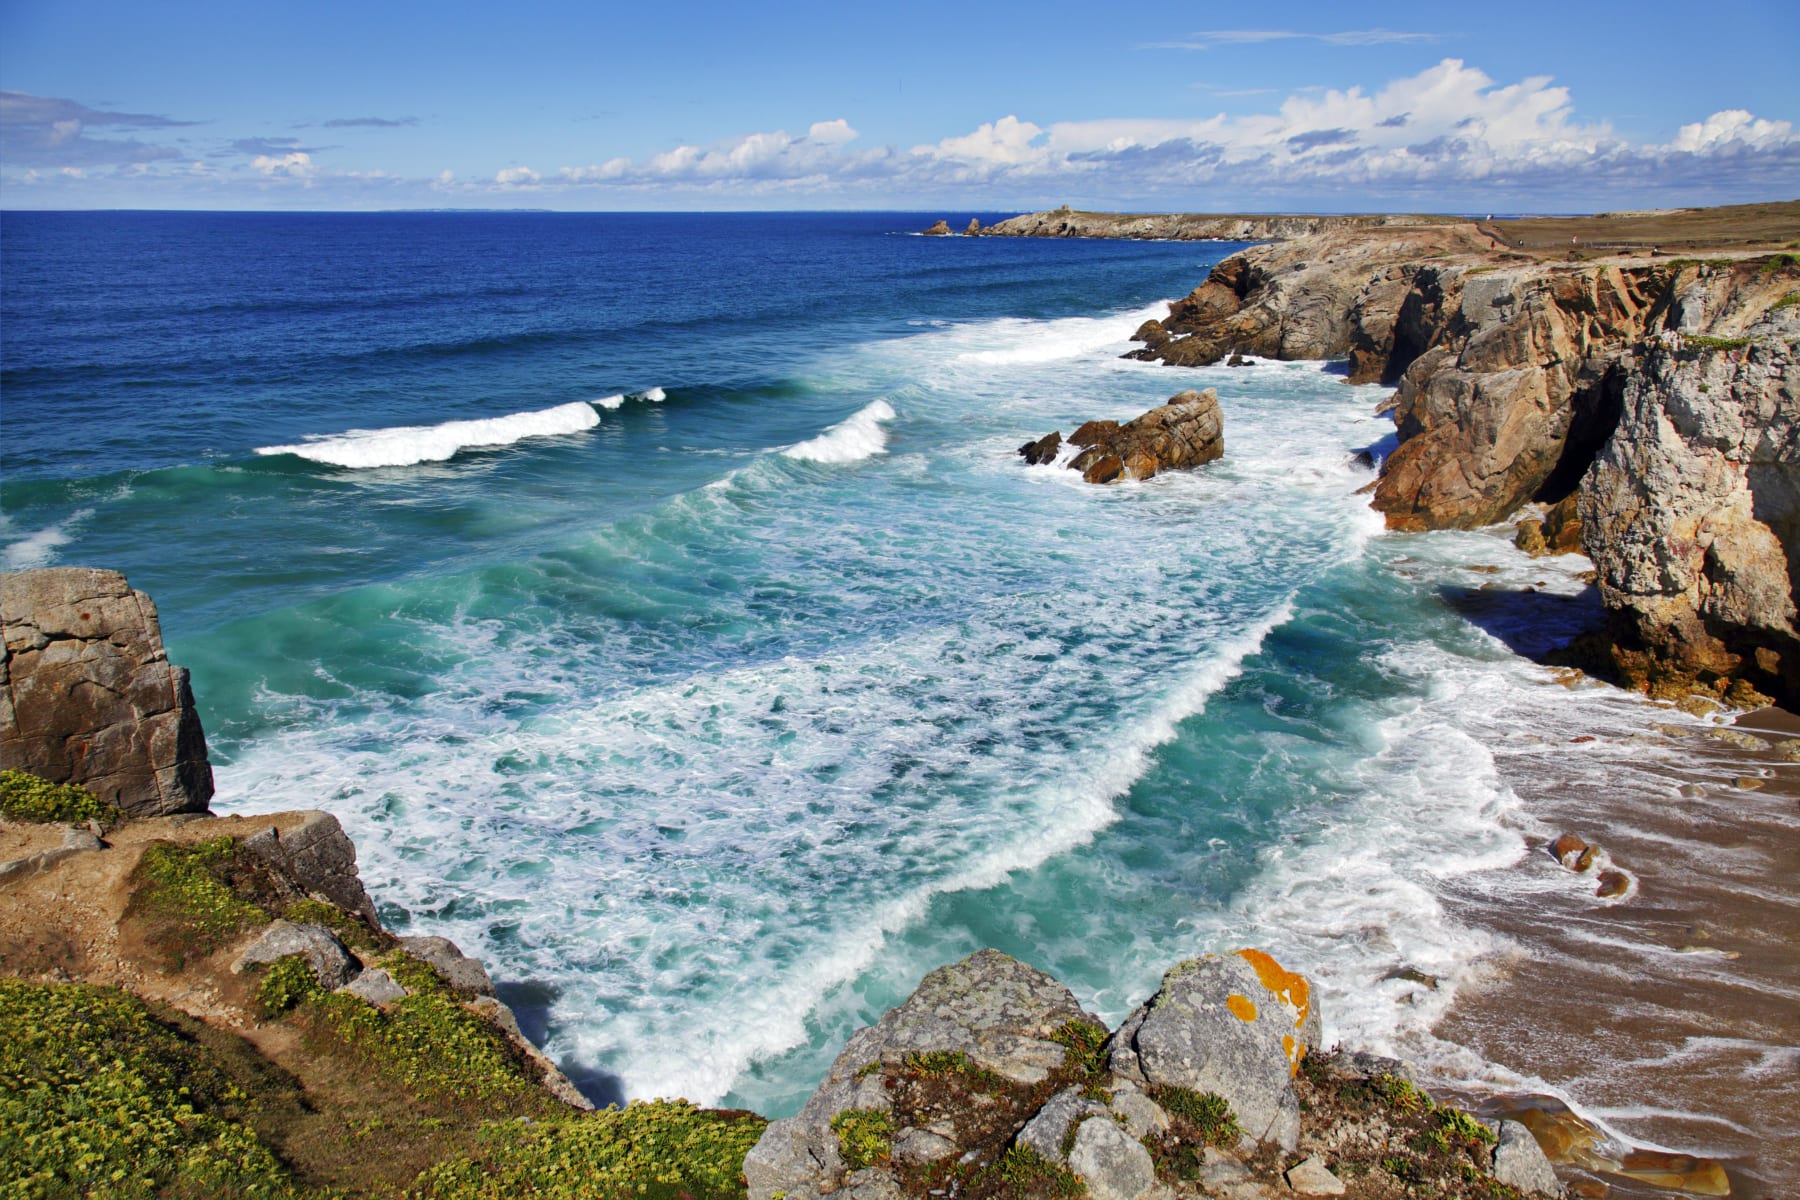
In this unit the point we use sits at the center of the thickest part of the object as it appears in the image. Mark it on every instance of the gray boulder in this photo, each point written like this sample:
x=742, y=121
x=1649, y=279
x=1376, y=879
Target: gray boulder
x=457, y=969
x=1049, y=1130
x=1520, y=1162
x=331, y=963
x=88, y=695
x=319, y=858
x=1236, y=1026
x=1113, y=1164
x=992, y=1008
x=376, y=986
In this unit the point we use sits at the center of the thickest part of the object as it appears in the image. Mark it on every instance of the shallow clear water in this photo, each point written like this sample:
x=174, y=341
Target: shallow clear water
x=662, y=606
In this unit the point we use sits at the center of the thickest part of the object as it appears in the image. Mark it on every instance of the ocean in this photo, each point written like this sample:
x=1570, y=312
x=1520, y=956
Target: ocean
x=662, y=606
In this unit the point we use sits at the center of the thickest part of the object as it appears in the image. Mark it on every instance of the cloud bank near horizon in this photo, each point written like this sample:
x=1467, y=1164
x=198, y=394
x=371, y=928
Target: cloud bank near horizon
x=1449, y=134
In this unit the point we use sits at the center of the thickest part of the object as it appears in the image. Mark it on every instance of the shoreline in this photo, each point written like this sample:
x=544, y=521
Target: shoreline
x=1671, y=1015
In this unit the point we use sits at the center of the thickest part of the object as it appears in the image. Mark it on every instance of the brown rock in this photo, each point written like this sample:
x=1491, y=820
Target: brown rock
x=1041, y=451
x=974, y=227
x=90, y=696
x=1567, y=849
x=941, y=229
x=1529, y=537
x=1612, y=883
x=1186, y=432
x=1104, y=469
x=1562, y=526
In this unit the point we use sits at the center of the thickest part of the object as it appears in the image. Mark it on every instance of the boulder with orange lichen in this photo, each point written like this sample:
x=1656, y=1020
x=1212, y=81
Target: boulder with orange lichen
x=1235, y=1026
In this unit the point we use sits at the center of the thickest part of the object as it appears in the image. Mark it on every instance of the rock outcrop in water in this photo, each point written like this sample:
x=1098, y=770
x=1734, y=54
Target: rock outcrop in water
x=88, y=695
x=1188, y=431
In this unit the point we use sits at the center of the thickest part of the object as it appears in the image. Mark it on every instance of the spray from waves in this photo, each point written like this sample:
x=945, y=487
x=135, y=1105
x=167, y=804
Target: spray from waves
x=1071, y=337
x=1073, y=809
x=654, y=395
x=852, y=440
x=408, y=445
x=37, y=548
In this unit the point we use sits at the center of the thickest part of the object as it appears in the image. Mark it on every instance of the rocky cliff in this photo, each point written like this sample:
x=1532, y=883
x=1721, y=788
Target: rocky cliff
x=1188, y=431
x=88, y=695
x=1514, y=376
x=1184, y=227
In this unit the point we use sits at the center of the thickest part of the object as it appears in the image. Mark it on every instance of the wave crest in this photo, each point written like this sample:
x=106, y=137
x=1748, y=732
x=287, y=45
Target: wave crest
x=407, y=445
x=853, y=439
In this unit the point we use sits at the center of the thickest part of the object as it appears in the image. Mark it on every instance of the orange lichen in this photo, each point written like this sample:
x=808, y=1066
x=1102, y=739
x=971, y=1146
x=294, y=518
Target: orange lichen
x=1242, y=1007
x=1293, y=1048
x=1291, y=988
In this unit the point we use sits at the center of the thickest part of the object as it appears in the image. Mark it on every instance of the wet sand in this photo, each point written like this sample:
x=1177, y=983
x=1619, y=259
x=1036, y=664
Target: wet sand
x=1671, y=1014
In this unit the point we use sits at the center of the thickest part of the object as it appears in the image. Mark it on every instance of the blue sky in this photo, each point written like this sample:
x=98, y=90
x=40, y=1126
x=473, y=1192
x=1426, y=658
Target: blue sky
x=1514, y=107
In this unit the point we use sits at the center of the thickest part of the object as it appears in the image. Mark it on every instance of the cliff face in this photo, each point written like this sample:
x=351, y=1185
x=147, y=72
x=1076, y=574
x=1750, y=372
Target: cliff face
x=1514, y=375
x=88, y=695
x=1691, y=511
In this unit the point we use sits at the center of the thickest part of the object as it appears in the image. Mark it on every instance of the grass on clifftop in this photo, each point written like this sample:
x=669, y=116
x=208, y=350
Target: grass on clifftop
x=193, y=896
x=660, y=1150
x=100, y=1098
x=27, y=799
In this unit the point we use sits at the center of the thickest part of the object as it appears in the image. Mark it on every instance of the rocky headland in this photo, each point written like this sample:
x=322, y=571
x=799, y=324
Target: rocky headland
x=1654, y=397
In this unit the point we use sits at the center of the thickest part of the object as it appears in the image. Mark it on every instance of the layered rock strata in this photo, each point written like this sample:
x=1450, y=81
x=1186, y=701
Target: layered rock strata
x=88, y=695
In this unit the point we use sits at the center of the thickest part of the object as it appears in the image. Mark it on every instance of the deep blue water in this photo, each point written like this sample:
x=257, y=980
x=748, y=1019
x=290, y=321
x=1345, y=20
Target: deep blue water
x=736, y=672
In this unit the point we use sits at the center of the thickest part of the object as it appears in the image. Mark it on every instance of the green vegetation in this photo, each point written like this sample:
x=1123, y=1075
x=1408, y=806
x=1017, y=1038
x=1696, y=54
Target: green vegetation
x=661, y=1150
x=99, y=1098
x=1717, y=343
x=1400, y=1094
x=427, y=1042
x=1022, y=1172
x=1083, y=1042
x=289, y=983
x=1777, y=262
x=193, y=893
x=1209, y=1114
x=941, y=1062
x=1787, y=301
x=865, y=1137
x=26, y=798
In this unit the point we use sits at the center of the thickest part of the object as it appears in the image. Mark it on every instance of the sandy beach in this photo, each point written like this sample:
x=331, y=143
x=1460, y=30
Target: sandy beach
x=1671, y=1014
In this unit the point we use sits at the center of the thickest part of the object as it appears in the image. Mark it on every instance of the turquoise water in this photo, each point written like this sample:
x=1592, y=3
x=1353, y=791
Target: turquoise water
x=730, y=671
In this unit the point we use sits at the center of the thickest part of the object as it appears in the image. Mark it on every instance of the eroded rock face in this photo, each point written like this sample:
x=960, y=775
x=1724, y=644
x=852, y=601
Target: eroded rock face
x=1692, y=513
x=1188, y=431
x=1236, y=1026
x=88, y=695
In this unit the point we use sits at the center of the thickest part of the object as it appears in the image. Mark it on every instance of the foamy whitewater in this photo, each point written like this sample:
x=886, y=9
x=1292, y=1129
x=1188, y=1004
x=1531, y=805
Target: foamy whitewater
x=713, y=715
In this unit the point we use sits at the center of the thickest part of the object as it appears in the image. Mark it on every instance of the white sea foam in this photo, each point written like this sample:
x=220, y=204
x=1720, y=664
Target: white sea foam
x=406, y=445
x=37, y=548
x=1031, y=342
x=857, y=437
x=609, y=402
x=654, y=396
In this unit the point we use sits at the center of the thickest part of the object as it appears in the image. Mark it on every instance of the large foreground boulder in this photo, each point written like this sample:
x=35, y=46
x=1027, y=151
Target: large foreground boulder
x=1236, y=1026
x=88, y=695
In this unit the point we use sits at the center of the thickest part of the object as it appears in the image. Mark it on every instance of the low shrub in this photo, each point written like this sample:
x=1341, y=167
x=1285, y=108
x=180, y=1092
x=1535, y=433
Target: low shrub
x=865, y=1137
x=27, y=799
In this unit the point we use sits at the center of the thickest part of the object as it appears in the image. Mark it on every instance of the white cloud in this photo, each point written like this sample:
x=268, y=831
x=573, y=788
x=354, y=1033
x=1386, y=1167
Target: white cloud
x=1723, y=129
x=295, y=165
x=831, y=133
x=516, y=177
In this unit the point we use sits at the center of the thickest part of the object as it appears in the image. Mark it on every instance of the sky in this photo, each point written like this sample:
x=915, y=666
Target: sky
x=1573, y=106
